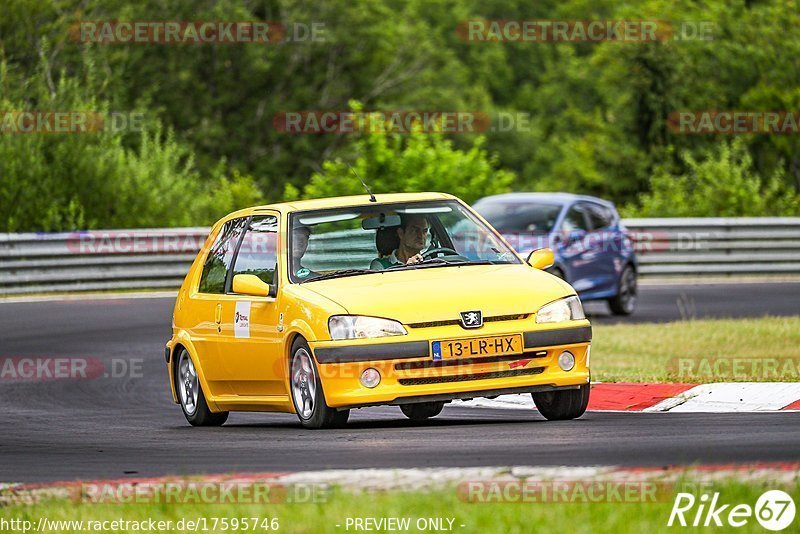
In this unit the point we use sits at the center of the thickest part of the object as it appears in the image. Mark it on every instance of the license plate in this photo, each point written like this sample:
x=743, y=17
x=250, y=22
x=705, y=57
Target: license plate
x=476, y=347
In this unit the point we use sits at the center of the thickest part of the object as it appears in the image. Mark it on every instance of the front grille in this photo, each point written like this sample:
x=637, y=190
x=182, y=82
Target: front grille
x=451, y=322
x=463, y=378
x=436, y=364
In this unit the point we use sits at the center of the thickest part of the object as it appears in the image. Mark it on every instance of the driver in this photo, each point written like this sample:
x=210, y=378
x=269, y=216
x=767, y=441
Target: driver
x=300, y=235
x=412, y=232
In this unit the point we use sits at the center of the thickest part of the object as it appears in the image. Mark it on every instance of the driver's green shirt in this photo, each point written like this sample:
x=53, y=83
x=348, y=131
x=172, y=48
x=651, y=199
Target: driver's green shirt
x=385, y=262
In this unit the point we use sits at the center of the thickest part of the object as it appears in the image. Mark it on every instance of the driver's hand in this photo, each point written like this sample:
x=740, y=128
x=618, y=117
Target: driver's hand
x=416, y=258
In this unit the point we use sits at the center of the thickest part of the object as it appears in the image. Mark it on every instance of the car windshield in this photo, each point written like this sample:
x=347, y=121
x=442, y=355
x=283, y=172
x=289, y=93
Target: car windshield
x=362, y=240
x=520, y=217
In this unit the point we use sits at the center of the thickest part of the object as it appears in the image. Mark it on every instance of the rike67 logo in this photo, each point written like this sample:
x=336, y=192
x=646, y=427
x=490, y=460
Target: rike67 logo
x=774, y=510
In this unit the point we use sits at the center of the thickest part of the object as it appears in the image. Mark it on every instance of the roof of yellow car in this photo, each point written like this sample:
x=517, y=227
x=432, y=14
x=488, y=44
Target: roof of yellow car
x=356, y=200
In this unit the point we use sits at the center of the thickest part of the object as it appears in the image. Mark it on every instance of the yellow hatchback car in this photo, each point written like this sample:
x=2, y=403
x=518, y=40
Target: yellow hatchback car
x=317, y=307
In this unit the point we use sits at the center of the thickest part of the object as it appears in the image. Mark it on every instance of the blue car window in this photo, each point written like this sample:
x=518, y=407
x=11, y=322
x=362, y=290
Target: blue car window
x=599, y=216
x=575, y=220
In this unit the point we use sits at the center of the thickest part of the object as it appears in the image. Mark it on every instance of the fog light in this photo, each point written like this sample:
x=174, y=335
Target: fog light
x=566, y=361
x=370, y=378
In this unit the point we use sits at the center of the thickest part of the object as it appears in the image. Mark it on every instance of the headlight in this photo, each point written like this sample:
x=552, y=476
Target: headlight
x=359, y=326
x=568, y=309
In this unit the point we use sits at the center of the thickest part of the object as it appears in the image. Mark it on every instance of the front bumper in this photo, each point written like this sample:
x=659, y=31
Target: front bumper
x=409, y=375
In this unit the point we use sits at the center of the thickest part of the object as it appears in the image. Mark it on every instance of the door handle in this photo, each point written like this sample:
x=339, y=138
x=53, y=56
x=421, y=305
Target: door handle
x=218, y=314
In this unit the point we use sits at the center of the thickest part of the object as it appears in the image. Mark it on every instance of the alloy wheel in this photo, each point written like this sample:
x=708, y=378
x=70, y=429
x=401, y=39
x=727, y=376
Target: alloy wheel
x=187, y=383
x=304, y=383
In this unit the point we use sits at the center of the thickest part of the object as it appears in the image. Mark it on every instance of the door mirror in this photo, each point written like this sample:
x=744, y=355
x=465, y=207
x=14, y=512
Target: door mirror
x=250, y=284
x=542, y=258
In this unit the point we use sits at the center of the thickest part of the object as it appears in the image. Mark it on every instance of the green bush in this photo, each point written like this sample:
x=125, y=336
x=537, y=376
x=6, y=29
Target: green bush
x=722, y=184
x=107, y=179
x=401, y=163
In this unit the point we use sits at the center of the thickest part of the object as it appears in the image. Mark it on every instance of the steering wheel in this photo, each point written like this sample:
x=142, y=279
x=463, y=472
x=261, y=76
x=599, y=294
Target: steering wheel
x=438, y=250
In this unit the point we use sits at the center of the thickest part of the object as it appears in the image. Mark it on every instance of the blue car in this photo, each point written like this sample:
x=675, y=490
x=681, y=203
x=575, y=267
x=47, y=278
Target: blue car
x=592, y=250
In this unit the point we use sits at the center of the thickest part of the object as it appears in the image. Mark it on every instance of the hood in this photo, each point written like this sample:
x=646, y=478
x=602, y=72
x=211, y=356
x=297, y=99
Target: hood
x=440, y=293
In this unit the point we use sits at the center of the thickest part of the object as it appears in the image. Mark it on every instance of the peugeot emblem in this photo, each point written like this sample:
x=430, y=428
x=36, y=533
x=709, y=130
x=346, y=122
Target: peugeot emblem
x=472, y=319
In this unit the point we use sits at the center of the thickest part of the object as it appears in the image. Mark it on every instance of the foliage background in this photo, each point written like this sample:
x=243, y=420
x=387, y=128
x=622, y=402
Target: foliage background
x=598, y=111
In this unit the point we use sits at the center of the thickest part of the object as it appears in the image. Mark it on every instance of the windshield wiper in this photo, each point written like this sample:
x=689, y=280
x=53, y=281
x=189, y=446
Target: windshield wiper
x=437, y=260
x=431, y=262
x=479, y=262
x=424, y=263
x=462, y=262
x=340, y=273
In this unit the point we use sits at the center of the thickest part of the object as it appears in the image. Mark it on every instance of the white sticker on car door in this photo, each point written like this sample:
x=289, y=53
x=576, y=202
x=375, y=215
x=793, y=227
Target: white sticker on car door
x=241, y=320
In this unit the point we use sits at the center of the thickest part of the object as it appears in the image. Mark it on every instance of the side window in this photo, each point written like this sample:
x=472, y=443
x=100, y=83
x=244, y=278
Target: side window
x=258, y=254
x=218, y=262
x=599, y=216
x=575, y=219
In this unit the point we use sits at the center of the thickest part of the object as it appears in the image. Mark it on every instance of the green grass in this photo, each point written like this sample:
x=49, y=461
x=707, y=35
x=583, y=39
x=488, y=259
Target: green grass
x=480, y=518
x=707, y=349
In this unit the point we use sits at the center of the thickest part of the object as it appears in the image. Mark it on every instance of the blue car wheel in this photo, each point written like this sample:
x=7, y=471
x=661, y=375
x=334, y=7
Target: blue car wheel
x=624, y=303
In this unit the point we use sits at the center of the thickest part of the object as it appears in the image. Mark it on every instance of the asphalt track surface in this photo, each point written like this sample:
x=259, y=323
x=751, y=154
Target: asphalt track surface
x=128, y=427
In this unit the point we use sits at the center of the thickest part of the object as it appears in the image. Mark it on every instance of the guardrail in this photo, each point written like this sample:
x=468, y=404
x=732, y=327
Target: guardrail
x=159, y=258
x=717, y=246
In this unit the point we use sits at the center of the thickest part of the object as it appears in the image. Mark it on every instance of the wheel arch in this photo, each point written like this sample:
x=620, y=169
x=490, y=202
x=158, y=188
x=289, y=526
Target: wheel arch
x=182, y=341
x=296, y=329
x=171, y=366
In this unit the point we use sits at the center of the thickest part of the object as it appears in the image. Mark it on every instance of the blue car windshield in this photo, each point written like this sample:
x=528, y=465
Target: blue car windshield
x=522, y=217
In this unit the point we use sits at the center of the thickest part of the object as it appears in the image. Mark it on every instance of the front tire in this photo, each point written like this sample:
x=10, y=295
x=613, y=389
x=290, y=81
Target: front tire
x=562, y=405
x=624, y=303
x=191, y=396
x=422, y=410
x=307, y=395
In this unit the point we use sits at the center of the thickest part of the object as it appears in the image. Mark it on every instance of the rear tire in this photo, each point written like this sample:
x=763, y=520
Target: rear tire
x=562, y=405
x=422, y=410
x=191, y=396
x=624, y=303
x=307, y=395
